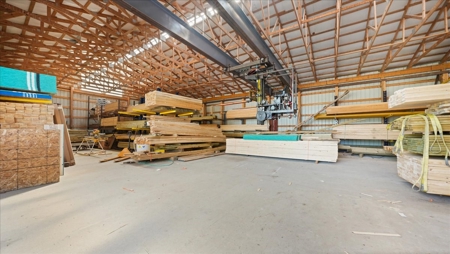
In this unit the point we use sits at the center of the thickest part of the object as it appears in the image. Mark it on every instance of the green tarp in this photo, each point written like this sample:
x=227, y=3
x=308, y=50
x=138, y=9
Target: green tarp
x=278, y=137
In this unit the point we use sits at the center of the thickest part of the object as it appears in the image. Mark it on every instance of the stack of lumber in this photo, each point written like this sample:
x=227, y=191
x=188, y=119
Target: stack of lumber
x=163, y=140
x=440, y=108
x=115, y=106
x=380, y=107
x=77, y=136
x=157, y=99
x=415, y=144
x=365, y=132
x=421, y=96
x=241, y=113
x=25, y=115
x=131, y=125
x=409, y=167
x=28, y=157
x=112, y=121
x=244, y=127
x=417, y=123
x=301, y=150
x=181, y=127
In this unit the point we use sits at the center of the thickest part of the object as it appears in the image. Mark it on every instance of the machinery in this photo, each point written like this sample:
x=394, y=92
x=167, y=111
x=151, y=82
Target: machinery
x=270, y=104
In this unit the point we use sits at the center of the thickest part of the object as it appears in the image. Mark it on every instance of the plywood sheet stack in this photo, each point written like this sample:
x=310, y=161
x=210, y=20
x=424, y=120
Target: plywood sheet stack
x=365, y=132
x=409, y=167
x=301, y=150
x=241, y=113
x=420, y=96
x=28, y=157
x=25, y=115
x=158, y=99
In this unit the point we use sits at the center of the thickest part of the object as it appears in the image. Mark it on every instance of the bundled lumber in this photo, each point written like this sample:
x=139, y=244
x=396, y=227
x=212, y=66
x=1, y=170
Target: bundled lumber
x=302, y=150
x=381, y=107
x=440, y=108
x=244, y=127
x=174, y=154
x=157, y=99
x=168, y=119
x=182, y=129
x=158, y=140
x=112, y=121
x=130, y=125
x=416, y=123
x=25, y=115
x=202, y=118
x=415, y=144
x=28, y=157
x=241, y=113
x=421, y=96
x=437, y=181
x=115, y=106
x=365, y=132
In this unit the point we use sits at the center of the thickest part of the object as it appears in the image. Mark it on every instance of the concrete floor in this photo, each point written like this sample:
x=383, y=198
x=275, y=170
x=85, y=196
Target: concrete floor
x=226, y=204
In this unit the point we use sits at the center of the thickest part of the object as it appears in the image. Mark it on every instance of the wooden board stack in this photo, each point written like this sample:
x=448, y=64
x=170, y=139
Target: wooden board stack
x=181, y=127
x=244, y=127
x=365, y=132
x=157, y=99
x=440, y=108
x=415, y=144
x=28, y=157
x=175, y=137
x=417, y=123
x=421, y=96
x=112, y=121
x=77, y=136
x=301, y=150
x=409, y=167
x=115, y=106
x=380, y=107
x=25, y=116
x=241, y=113
x=131, y=125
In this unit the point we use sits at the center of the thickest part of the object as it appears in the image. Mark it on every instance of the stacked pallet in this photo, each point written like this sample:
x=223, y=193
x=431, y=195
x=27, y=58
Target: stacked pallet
x=416, y=123
x=365, y=132
x=28, y=157
x=421, y=96
x=301, y=150
x=241, y=113
x=437, y=177
x=440, y=108
x=415, y=143
x=25, y=116
x=158, y=99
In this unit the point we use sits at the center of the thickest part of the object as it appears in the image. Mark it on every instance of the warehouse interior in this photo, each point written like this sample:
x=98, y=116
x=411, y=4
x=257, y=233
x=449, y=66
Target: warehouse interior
x=224, y=126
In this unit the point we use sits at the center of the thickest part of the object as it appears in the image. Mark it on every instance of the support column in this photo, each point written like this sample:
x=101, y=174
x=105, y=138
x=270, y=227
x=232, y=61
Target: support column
x=273, y=124
x=299, y=110
x=222, y=114
x=384, y=99
x=336, y=94
x=243, y=106
x=71, y=108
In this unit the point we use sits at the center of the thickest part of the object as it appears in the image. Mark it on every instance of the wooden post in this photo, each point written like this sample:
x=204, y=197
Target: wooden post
x=221, y=112
x=336, y=94
x=299, y=109
x=383, y=91
x=243, y=106
x=71, y=108
x=204, y=113
x=444, y=78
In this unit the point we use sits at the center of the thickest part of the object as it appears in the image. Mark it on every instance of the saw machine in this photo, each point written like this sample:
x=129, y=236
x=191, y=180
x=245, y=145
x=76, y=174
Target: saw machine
x=270, y=104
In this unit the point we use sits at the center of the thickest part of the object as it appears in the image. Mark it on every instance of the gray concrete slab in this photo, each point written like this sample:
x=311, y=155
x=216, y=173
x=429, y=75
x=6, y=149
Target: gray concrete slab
x=226, y=204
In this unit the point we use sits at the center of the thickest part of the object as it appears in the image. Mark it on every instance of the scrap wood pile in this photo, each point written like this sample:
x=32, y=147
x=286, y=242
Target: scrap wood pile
x=175, y=137
x=431, y=138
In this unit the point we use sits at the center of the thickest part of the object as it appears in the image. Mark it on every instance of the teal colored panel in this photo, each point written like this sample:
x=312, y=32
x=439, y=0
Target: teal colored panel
x=282, y=137
x=27, y=81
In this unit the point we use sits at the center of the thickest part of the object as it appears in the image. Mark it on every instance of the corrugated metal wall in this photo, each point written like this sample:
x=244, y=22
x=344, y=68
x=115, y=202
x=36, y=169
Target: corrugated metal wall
x=80, y=108
x=314, y=100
